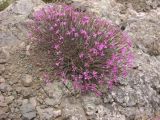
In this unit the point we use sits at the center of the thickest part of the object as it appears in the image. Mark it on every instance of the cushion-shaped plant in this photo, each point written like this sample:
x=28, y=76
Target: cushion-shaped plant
x=87, y=49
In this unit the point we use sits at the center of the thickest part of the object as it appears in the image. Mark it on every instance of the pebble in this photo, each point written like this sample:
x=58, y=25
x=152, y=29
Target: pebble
x=27, y=80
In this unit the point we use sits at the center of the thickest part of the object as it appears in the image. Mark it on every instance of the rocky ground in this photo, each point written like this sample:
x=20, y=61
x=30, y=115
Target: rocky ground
x=25, y=96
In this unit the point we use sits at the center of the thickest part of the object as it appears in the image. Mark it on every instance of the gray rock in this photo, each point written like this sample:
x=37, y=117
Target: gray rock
x=48, y=113
x=72, y=111
x=27, y=93
x=27, y=80
x=9, y=99
x=3, y=108
x=33, y=101
x=103, y=113
x=28, y=111
x=50, y=102
x=4, y=55
x=13, y=21
x=55, y=93
x=4, y=87
x=146, y=35
x=141, y=5
x=90, y=103
x=2, y=69
x=2, y=80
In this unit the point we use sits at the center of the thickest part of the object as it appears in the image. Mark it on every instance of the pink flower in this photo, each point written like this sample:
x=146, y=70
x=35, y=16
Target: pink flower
x=73, y=29
x=94, y=74
x=51, y=28
x=61, y=38
x=101, y=47
x=56, y=46
x=86, y=75
x=94, y=35
x=83, y=32
x=57, y=63
x=68, y=33
x=85, y=20
x=94, y=51
x=86, y=65
x=123, y=50
x=76, y=34
x=81, y=55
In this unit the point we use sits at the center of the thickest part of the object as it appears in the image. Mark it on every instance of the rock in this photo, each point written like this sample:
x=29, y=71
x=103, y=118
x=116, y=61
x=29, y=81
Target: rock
x=72, y=111
x=4, y=55
x=9, y=99
x=141, y=5
x=50, y=102
x=55, y=93
x=48, y=113
x=4, y=87
x=57, y=113
x=3, y=115
x=27, y=81
x=145, y=39
x=33, y=101
x=2, y=69
x=19, y=89
x=2, y=100
x=2, y=80
x=27, y=49
x=90, y=103
x=25, y=101
x=106, y=114
x=27, y=93
x=3, y=108
x=28, y=111
x=13, y=20
x=108, y=99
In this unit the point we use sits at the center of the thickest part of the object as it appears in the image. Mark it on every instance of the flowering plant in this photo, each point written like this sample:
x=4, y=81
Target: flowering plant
x=86, y=49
